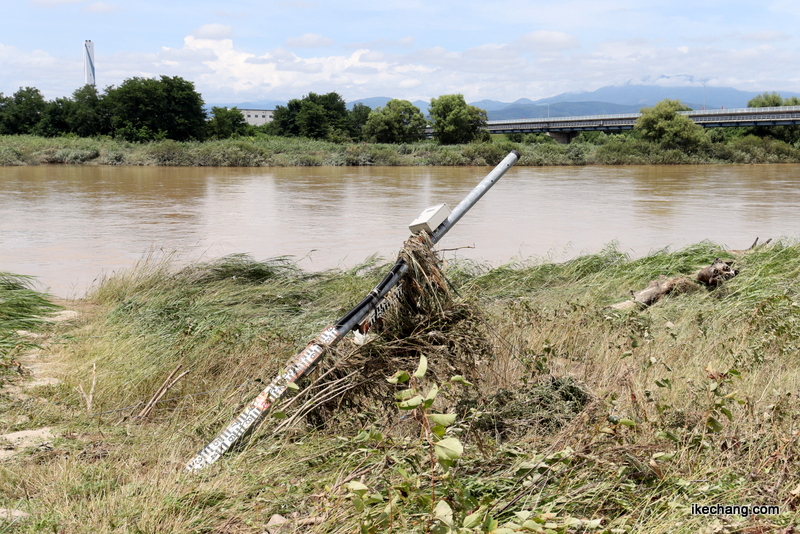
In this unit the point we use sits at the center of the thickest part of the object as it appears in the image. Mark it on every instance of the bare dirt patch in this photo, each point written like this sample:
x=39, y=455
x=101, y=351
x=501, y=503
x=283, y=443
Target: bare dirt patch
x=37, y=367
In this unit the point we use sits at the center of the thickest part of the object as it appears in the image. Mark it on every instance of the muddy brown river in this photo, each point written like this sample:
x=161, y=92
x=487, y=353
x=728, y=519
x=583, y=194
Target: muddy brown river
x=70, y=225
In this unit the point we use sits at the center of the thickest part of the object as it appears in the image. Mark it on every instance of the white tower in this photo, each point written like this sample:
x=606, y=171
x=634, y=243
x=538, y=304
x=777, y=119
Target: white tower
x=88, y=62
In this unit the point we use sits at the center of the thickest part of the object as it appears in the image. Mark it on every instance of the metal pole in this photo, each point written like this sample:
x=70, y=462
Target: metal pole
x=475, y=195
x=304, y=361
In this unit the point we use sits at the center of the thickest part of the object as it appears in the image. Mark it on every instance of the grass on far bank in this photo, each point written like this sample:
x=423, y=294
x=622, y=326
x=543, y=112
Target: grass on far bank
x=579, y=418
x=263, y=150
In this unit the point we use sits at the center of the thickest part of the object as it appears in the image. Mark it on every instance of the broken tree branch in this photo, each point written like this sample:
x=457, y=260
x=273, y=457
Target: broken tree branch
x=711, y=276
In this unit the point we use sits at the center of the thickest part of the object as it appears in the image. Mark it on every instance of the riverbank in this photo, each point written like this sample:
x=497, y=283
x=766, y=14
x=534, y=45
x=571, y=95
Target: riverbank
x=266, y=151
x=577, y=418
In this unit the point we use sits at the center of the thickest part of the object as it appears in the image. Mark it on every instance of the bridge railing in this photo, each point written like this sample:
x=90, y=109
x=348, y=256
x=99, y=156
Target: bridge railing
x=782, y=110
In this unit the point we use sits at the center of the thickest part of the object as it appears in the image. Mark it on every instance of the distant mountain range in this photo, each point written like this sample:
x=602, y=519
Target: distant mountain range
x=628, y=98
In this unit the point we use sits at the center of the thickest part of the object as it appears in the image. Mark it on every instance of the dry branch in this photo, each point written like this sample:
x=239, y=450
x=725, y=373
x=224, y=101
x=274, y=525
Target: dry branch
x=655, y=292
x=710, y=276
x=166, y=386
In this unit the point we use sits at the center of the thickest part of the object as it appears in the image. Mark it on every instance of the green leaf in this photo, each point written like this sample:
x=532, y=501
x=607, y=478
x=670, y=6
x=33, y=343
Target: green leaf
x=443, y=419
x=627, y=422
x=458, y=379
x=422, y=368
x=357, y=487
x=532, y=526
x=714, y=425
x=664, y=383
x=411, y=403
x=448, y=449
x=400, y=377
x=444, y=513
x=405, y=394
x=292, y=386
x=279, y=415
x=474, y=519
x=431, y=396
x=668, y=435
x=358, y=502
x=490, y=524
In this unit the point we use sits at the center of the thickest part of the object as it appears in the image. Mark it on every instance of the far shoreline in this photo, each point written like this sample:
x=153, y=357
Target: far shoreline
x=274, y=151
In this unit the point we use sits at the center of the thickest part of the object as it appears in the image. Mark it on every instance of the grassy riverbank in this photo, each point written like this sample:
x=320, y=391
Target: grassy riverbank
x=579, y=418
x=21, y=308
x=281, y=151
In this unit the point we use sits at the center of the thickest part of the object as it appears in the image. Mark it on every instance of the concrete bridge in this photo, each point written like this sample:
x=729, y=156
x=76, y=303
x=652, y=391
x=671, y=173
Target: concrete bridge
x=564, y=129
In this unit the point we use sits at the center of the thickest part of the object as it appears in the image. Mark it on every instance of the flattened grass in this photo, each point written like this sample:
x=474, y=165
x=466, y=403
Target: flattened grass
x=22, y=308
x=688, y=401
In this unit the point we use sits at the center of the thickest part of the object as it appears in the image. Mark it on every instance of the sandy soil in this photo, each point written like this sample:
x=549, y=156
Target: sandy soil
x=37, y=368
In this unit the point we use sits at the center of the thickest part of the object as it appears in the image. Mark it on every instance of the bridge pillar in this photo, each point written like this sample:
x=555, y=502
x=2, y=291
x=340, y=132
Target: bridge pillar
x=563, y=137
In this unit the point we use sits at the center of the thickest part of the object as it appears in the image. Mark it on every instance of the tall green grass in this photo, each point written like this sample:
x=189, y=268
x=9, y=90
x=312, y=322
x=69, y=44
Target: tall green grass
x=582, y=412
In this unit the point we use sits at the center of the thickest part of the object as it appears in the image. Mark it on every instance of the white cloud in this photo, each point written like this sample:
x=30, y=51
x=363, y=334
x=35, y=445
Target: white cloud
x=766, y=36
x=411, y=49
x=212, y=31
x=543, y=41
x=309, y=40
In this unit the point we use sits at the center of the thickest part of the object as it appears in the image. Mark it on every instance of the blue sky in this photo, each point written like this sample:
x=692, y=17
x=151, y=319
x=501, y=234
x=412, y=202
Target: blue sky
x=501, y=49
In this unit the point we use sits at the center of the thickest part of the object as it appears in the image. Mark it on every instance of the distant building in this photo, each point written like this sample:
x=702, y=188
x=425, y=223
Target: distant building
x=257, y=117
x=88, y=63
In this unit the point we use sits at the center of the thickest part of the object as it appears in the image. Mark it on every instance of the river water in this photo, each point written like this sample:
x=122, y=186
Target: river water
x=70, y=225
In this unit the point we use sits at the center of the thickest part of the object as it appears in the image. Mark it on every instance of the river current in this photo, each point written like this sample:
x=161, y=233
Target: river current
x=71, y=225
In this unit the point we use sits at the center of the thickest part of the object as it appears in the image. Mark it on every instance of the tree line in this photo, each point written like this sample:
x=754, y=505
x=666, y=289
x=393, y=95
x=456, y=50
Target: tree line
x=149, y=109
x=661, y=124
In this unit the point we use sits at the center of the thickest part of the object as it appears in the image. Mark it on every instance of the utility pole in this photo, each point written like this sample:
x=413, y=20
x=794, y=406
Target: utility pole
x=704, y=95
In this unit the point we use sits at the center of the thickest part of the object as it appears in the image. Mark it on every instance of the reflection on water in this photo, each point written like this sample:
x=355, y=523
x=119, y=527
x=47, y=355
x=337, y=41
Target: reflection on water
x=68, y=224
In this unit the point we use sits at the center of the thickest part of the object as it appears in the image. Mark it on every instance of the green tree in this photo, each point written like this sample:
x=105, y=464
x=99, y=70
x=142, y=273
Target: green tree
x=315, y=116
x=21, y=113
x=53, y=121
x=663, y=125
x=766, y=100
x=455, y=121
x=313, y=120
x=284, y=119
x=399, y=121
x=143, y=109
x=89, y=114
x=356, y=119
x=787, y=134
x=226, y=122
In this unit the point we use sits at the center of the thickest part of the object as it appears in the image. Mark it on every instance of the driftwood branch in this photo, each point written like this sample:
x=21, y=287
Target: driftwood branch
x=655, y=292
x=711, y=276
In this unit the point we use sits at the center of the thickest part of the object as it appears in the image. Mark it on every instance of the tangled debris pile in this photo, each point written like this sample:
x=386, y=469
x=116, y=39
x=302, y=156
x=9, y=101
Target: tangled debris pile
x=425, y=319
